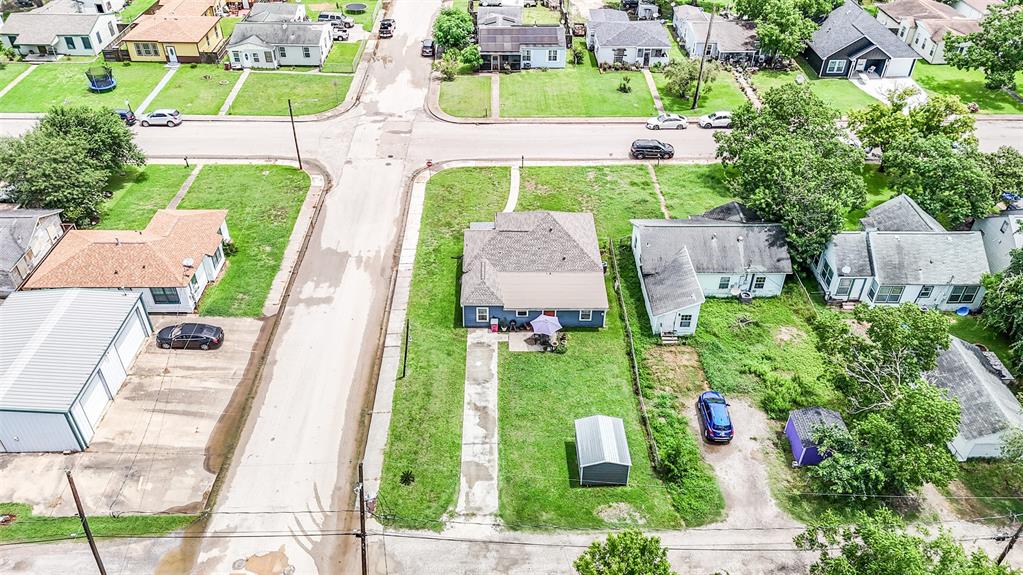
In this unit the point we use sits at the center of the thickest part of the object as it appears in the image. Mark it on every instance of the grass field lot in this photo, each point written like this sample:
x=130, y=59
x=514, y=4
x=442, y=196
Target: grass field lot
x=691, y=189
x=227, y=25
x=364, y=18
x=838, y=92
x=263, y=203
x=724, y=94
x=139, y=194
x=466, y=97
x=9, y=71
x=198, y=90
x=343, y=57
x=27, y=527
x=130, y=13
x=267, y=93
x=574, y=91
x=540, y=15
x=426, y=427
x=990, y=479
x=971, y=329
x=968, y=85
x=55, y=84
x=878, y=192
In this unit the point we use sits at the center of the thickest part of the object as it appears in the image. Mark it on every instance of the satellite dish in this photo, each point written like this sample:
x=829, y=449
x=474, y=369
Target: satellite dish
x=734, y=291
x=188, y=262
x=846, y=270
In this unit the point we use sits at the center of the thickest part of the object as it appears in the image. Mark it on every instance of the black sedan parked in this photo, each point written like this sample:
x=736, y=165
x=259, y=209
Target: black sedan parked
x=190, y=336
x=651, y=149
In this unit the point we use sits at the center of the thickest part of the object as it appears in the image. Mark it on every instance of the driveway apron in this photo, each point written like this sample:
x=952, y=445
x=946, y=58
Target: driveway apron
x=477, y=495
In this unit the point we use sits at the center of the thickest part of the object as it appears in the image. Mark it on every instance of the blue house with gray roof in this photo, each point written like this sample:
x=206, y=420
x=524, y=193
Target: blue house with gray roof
x=851, y=41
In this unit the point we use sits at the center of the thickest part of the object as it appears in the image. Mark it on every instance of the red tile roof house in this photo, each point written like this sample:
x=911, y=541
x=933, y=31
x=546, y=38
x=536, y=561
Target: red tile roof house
x=171, y=261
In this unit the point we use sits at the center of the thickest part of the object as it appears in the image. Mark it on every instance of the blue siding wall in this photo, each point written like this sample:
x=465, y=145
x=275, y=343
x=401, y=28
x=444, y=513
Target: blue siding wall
x=568, y=318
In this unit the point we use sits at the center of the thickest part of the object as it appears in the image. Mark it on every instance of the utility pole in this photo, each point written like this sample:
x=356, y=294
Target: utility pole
x=362, y=518
x=294, y=134
x=703, y=60
x=1012, y=541
x=85, y=523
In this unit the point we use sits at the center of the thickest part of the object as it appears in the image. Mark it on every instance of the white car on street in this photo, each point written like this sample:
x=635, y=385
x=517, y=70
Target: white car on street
x=716, y=120
x=667, y=122
x=162, y=117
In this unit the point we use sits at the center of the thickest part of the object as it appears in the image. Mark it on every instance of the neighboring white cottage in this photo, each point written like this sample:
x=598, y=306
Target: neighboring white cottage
x=924, y=25
x=729, y=40
x=26, y=236
x=275, y=44
x=1002, y=234
x=43, y=34
x=726, y=252
x=975, y=8
x=514, y=47
x=644, y=43
x=276, y=12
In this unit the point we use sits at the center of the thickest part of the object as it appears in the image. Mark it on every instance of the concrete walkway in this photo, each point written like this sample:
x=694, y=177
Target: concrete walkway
x=234, y=92
x=652, y=86
x=495, y=96
x=477, y=495
x=15, y=81
x=747, y=89
x=144, y=106
x=513, y=193
x=880, y=88
x=176, y=200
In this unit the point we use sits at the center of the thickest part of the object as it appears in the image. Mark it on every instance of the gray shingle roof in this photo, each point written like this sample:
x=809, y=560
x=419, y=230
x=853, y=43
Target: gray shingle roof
x=731, y=212
x=852, y=258
x=847, y=24
x=900, y=214
x=806, y=421
x=673, y=285
x=716, y=246
x=279, y=33
x=607, y=15
x=643, y=34
x=52, y=340
x=16, y=229
x=601, y=439
x=275, y=12
x=987, y=406
x=940, y=258
x=488, y=15
x=510, y=39
x=43, y=28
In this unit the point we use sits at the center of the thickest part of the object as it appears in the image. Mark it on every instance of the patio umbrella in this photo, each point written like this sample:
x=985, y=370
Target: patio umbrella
x=546, y=325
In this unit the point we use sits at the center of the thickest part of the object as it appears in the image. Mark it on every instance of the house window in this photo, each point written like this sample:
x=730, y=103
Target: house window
x=889, y=294
x=269, y=56
x=1005, y=226
x=827, y=274
x=724, y=282
x=552, y=55
x=836, y=66
x=70, y=42
x=963, y=294
x=527, y=56
x=255, y=56
x=522, y=313
x=902, y=32
x=925, y=292
x=817, y=262
x=110, y=27
x=165, y=295
x=235, y=56
x=482, y=314
x=99, y=37
x=933, y=46
x=619, y=55
x=685, y=320
x=194, y=281
x=305, y=52
x=586, y=315
x=218, y=255
x=844, y=287
x=282, y=52
x=146, y=49
x=759, y=281
x=86, y=44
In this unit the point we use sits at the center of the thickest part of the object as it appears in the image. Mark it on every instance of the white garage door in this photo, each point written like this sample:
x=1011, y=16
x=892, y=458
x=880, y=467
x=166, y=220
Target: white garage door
x=22, y=431
x=113, y=371
x=130, y=340
x=899, y=68
x=95, y=400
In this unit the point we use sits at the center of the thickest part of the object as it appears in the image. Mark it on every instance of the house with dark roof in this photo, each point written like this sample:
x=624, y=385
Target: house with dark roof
x=276, y=44
x=725, y=252
x=1002, y=232
x=43, y=34
x=924, y=25
x=976, y=379
x=26, y=236
x=524, y=264
x=518, y=47
x=729, y=39
x=631, y=43
x=498, y=15
x=903, y=255
x=851, y=41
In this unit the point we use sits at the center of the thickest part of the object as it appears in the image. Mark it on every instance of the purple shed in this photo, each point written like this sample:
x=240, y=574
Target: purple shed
x=800, y=427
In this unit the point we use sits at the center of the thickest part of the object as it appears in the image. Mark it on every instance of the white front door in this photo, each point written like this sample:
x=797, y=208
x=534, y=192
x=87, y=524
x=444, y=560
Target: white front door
x=172, y=55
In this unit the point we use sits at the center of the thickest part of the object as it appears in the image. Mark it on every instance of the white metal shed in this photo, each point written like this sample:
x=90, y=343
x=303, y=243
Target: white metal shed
x=602, y=451
x=64, y=354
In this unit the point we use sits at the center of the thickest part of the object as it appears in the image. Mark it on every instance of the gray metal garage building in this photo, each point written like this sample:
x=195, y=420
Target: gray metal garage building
x=602, y=451
x=64, y=354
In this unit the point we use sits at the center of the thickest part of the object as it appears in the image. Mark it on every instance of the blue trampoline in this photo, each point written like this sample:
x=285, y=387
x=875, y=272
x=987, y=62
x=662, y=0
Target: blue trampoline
x=101, y=79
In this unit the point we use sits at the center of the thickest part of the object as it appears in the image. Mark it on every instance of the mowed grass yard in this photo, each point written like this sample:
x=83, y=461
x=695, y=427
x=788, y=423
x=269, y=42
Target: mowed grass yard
x=27, y=527
x=721, y=94
x=425, y=437
x=342, y=57
x=540, y=15
x=130, y=13
x=199, y=90
x=9, y=71
x=691, y=189
x=466, y=97
x=838, y=92
x=139, y=194
x=267, y=94
x=262, y=203
x=968, y=85
x=57, y=83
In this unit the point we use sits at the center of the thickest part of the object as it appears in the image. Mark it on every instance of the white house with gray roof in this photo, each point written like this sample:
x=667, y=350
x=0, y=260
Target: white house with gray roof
x=517, y=47
x=275, y=44
x=631, y=43
x=525, y=264
x=45, y=34
x=276, y=12
x=725, y=252
x=851, y=41
x=1002, y=234
x=26, y=236
x=978, y=381
x=729, y=39
x=903, y=255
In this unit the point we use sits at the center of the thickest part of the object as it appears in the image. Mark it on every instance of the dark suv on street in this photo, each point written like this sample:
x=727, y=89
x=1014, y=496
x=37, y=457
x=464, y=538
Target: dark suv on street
x=651, y=149
x=127, y=115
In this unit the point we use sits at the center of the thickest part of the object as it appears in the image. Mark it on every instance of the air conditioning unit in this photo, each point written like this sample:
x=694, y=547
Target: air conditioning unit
x=526, y=65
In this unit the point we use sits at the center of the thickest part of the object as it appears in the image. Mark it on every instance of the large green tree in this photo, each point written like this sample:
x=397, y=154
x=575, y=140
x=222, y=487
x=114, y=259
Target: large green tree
x=680, y=76
x=883, y=123
x=996, y=48
x=100, y=133
x=782, y=30
x=453, y=28
x=1003, y=305
x=626, y=553
x=1006, y=167
x=787, y=162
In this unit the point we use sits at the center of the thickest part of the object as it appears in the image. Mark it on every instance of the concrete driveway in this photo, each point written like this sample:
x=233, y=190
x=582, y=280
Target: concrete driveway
x=169, y=420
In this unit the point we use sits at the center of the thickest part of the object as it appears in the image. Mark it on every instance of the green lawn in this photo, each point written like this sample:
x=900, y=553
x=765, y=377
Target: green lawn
x=262, y=203
x=838, y=92
x=54, y=84
x=426, y=426
x=199, y=90
x=364, y=18
x=878, y=192
x=691, y=189
x=227, y=25
x=139, y=193
x=130, y=13
x=267, y=94
x=27, y=527
x=540, y=15
x=968, y=85
x=9, y=71
x=721, y=94
x=343, y=57
x=574, y=91
x=466, y=96
x=971, y=329
x=990, y=480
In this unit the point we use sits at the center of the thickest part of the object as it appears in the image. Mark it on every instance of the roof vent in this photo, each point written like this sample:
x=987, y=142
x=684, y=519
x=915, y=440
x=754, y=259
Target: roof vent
x=188, y=262
x=846, y=270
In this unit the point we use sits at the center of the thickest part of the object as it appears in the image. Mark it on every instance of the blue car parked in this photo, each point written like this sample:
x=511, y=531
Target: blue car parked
x=714, y=419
